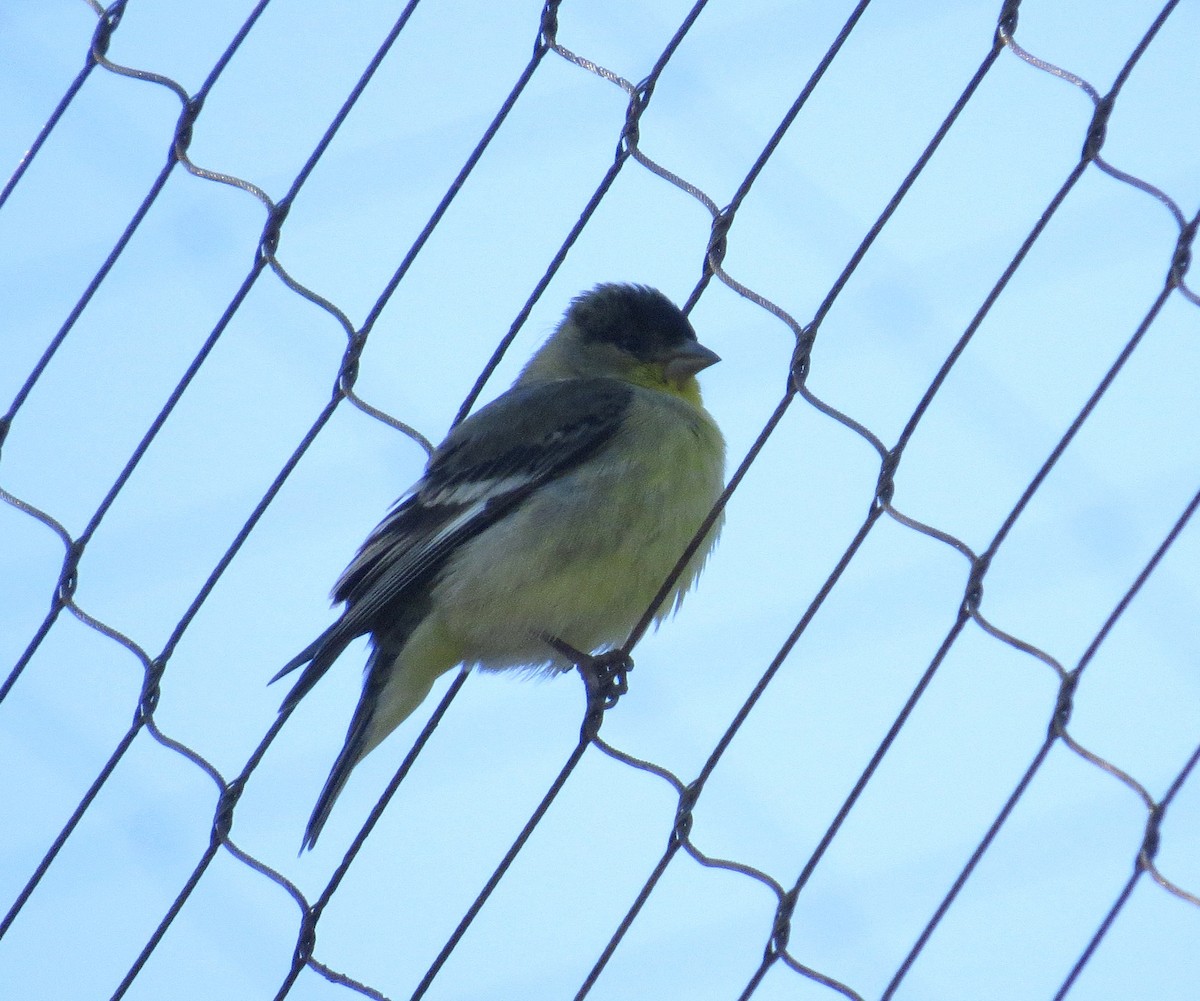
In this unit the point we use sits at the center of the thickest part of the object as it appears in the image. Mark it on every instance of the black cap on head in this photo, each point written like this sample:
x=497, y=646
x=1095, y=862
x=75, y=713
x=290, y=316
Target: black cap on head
x=634, y=318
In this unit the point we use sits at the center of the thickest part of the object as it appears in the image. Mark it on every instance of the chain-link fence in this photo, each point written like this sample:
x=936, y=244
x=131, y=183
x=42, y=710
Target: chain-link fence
x=925, y=730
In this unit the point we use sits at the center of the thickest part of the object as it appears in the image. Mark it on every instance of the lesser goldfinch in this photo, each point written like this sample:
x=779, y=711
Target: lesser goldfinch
x=551, y=516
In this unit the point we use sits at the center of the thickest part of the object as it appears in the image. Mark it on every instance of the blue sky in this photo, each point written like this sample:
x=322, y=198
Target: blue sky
x=1059, y=863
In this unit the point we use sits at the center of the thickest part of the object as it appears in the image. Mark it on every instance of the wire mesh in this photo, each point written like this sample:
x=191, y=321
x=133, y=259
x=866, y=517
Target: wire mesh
x=848, y=838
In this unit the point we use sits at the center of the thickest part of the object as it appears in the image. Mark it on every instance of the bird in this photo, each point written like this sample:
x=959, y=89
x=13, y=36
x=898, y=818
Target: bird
x=546, y=522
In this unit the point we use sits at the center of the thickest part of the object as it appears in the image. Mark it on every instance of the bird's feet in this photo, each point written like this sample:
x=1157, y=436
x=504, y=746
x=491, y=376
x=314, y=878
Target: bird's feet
x=605, y=680
x=606, y=676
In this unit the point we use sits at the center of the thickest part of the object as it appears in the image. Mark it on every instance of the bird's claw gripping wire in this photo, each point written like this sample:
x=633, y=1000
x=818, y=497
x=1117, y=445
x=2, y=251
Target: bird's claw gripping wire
x=606, y=676
x=605, y=680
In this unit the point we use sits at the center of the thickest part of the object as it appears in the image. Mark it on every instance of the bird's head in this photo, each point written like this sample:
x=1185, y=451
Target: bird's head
x=629, y=332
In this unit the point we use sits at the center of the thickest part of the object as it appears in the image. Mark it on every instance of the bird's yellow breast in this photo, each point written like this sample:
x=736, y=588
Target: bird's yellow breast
x=586, y=554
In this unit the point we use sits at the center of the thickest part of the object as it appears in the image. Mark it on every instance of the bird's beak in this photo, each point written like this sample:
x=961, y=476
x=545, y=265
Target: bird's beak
x=687, y=360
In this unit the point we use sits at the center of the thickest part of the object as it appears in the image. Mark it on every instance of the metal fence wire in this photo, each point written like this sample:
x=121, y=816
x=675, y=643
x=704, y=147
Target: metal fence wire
x=928, y=727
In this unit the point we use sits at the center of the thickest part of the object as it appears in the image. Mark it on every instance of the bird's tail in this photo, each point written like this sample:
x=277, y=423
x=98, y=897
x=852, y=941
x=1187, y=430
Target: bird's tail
x=316, y=659
x=352, y=752
x=400, y=673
